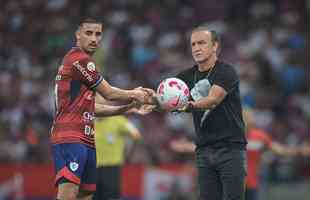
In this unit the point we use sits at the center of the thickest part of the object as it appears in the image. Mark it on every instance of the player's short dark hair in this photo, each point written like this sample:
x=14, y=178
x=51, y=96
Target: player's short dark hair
x=215, y=37
x=88, y=20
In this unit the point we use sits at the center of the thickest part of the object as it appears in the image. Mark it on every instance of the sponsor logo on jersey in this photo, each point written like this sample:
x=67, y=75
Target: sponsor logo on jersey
x=61, y=67
x=88, y=116
x=89, y=131
x=73, y=166
x=58, y=78
x=91, y=66
x=89, y=97
x=83, y=71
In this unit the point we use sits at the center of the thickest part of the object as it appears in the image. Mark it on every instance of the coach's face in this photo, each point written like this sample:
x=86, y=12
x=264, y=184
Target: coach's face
x=202, y=46
x=89, y=36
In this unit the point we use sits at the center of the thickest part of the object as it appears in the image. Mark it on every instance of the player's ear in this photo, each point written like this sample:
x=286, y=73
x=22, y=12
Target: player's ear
x=77, y=34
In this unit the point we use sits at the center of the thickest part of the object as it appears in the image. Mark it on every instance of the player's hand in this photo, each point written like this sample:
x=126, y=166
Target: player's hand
x=140, y=95
x=133, y=104
x=149, y=96
x=142, y=109
x=150, y=91
x=152, y=98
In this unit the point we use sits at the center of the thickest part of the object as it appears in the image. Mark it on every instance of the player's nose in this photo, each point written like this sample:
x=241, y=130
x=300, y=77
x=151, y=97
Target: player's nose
x=93, y=38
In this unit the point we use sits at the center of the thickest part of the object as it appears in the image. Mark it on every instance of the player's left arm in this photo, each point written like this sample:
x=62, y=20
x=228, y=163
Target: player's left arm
x=276, y=147
x=143, y=109
x=305, y=149
x=283, y=150
x=104, y=110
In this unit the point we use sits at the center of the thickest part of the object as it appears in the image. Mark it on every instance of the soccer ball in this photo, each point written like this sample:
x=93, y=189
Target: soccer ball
x=172, y=93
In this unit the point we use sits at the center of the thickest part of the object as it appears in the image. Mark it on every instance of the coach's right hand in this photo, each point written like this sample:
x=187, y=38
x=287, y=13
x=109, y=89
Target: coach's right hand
x=188, y=107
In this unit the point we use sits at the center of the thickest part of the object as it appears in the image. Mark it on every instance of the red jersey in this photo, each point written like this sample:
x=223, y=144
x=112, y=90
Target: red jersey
x=258, y=140
x=75, y=99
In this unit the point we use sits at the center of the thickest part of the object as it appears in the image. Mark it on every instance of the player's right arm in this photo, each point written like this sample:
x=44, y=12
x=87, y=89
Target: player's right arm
x=84, y=69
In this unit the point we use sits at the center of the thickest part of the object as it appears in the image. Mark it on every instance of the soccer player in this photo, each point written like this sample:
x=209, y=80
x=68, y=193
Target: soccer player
x=72, y=134
x=258, y=142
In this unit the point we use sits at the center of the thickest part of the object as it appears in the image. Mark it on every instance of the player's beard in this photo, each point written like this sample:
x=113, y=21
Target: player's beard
x=91, y=51
x=92, y=48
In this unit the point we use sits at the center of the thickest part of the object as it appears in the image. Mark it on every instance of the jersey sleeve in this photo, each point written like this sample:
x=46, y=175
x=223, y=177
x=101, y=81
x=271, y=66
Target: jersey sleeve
x=227, y=78
x=85, y=70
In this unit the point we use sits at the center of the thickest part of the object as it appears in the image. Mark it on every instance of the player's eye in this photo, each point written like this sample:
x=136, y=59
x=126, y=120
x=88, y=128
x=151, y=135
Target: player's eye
x=98, y=33
x=89, y=33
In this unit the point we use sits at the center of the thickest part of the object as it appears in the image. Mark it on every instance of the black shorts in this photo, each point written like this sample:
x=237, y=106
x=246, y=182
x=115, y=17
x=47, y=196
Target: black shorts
x=221, y=173
x=108, y=183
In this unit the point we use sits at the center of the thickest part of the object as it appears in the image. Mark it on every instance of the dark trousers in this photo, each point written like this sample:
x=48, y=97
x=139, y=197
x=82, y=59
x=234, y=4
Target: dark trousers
x=221, y=173
x=108, y=183
x=251, y=194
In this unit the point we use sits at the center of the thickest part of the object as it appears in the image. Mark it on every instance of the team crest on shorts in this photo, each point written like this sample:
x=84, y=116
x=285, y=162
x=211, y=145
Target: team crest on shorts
x=74, y=166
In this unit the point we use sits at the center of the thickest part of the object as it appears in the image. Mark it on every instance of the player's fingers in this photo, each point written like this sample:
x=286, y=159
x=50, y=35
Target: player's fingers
x=136, y=104
x=149, y=91
x=138, y=88
x=142, y=96
x=150, y=107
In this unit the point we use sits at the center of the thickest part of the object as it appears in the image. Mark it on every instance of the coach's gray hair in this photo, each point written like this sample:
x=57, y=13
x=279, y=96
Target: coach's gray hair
x=214, y=35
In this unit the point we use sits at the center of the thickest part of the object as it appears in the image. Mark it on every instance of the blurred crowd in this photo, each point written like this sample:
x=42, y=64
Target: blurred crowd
x=144, y=42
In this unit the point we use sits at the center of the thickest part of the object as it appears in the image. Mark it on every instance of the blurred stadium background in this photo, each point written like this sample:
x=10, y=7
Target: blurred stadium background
x=145, y=41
